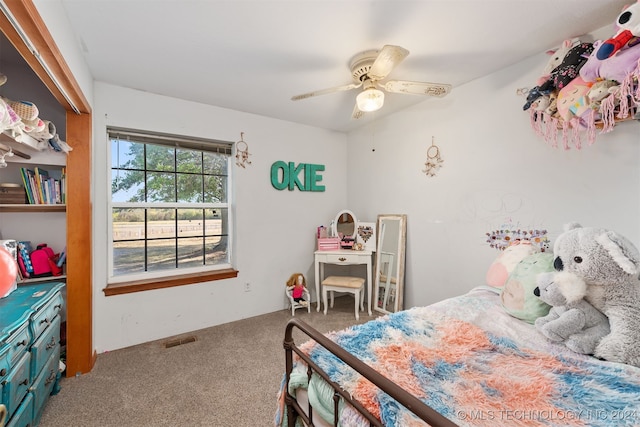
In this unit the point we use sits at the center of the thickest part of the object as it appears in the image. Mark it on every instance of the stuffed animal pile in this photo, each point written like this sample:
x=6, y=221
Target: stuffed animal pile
x=18, y=118
x=577, y=85
x=594, y=268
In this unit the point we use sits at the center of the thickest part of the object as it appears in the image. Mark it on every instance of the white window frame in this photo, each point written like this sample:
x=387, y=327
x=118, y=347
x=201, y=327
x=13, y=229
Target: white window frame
x=177, y=141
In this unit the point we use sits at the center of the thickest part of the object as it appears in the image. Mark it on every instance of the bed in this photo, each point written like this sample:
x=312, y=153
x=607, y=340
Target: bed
x=463, y=361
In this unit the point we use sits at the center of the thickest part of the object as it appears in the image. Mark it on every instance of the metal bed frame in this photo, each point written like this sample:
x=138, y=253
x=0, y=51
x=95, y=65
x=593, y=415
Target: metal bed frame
x=294, y=410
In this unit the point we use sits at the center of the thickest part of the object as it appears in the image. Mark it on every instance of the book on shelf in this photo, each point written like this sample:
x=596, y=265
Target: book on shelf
x=62, y=258
x=41, y=178
x=63, y=185
x=43, y=189
x=27, y=176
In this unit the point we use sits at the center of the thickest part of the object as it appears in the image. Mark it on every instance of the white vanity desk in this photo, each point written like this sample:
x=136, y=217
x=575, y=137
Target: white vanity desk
x=342, y=257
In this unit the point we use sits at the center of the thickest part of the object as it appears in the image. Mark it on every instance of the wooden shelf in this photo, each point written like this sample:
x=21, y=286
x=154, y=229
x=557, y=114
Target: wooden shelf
x=33, y=208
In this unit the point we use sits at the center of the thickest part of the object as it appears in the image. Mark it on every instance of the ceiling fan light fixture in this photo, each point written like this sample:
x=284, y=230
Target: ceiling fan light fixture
x=370, y=99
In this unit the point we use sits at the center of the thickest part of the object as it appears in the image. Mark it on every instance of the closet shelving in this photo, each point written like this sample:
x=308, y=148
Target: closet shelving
x=29, y=158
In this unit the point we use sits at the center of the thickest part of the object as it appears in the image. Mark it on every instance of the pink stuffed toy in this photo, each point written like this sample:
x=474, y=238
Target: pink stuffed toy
x=572, y=99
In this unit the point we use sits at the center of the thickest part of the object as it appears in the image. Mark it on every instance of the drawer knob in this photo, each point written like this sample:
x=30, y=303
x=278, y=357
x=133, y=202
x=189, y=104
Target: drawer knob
x=51, y=378
x=51, y=344
x=342, y=259
x=3, y=372
x=45, y=320
x=19, y=343
x=24, y=382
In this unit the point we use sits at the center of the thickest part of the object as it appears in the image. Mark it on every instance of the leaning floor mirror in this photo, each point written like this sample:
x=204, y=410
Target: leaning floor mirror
x=390, y=255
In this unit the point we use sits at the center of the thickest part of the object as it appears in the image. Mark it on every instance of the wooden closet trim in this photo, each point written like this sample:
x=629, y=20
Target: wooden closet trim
x=81, y=355
x=26, y=14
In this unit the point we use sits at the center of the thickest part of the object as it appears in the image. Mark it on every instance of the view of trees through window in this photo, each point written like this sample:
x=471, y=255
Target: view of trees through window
x=169, y=207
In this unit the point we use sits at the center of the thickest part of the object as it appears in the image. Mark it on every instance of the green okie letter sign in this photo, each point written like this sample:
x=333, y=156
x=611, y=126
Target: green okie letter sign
x=290, y=176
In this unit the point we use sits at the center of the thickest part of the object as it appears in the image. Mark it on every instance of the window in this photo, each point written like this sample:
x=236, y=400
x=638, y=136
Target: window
x=170, y=209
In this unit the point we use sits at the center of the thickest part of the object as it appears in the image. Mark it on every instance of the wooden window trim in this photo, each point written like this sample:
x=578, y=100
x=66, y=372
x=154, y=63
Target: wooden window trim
x=177, y=280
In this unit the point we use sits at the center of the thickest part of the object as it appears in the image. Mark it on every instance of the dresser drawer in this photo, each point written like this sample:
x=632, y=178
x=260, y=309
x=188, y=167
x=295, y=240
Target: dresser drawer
x=18, y=343
x=44, y=347
x=5, y=361
x=43, y=385
x=16, y=384
x=45, y=315
x=23, y=417
x=29, y=350
x=342, y=259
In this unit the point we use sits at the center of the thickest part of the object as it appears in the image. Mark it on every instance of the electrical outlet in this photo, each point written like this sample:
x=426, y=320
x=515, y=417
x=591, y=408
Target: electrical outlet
x=247, y=287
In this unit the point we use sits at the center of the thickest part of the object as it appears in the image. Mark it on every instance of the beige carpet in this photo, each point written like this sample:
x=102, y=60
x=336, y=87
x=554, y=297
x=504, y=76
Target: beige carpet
x=229, y=377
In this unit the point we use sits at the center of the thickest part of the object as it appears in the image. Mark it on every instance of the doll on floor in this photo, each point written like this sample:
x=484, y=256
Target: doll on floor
x=298, y=284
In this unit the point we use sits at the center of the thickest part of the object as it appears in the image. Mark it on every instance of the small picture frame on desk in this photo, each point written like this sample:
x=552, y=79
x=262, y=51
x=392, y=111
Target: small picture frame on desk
x=366, y=235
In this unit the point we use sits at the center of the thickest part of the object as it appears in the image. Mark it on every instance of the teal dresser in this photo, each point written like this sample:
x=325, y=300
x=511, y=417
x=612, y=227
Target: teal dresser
x=29, y=350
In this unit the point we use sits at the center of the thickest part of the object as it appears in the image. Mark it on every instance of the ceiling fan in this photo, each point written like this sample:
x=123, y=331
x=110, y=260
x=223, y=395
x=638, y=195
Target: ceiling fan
x=368, y=69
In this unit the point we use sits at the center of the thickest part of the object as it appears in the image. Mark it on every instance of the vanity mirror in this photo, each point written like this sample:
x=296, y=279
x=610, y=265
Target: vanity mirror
x=389, y=270
x=345, y=223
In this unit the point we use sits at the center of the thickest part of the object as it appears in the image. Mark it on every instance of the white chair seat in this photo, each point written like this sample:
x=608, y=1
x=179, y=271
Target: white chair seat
x=353, y=285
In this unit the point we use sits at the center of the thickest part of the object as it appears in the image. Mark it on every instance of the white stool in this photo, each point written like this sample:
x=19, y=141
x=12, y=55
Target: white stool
x=353, y=285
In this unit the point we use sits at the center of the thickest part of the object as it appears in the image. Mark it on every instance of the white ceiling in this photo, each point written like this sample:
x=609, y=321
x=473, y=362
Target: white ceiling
x=252, y=56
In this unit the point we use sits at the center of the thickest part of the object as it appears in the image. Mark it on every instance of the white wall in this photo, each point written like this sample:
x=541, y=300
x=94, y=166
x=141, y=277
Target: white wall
x=275, y=229
x=495, y=169
x=54, y=15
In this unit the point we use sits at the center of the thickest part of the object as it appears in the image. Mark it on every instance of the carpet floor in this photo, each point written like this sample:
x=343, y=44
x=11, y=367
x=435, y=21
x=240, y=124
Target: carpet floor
x=229, y=376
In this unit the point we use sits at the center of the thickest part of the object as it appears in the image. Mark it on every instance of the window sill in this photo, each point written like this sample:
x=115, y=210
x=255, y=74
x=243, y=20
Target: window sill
x=177, y=280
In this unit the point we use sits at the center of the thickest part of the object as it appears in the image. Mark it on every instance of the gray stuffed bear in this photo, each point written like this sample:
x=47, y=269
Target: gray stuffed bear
x=573, y=321
x=609, y=265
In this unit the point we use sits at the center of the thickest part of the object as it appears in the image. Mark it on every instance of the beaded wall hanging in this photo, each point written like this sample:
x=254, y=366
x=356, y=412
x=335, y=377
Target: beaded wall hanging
x=502, y=239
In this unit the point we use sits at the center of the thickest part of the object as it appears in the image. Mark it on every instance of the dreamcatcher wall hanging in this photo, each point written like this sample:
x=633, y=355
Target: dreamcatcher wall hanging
x=242, y=152
x=434, y=161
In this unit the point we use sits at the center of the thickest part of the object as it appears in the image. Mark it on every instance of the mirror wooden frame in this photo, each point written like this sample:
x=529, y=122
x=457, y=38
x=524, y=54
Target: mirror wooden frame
x=398, y=262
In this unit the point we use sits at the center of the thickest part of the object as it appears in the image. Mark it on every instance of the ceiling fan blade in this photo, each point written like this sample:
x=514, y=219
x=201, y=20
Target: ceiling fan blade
x=357, y=113
x=326, y=91
x=387, y=59
x=417, y=88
